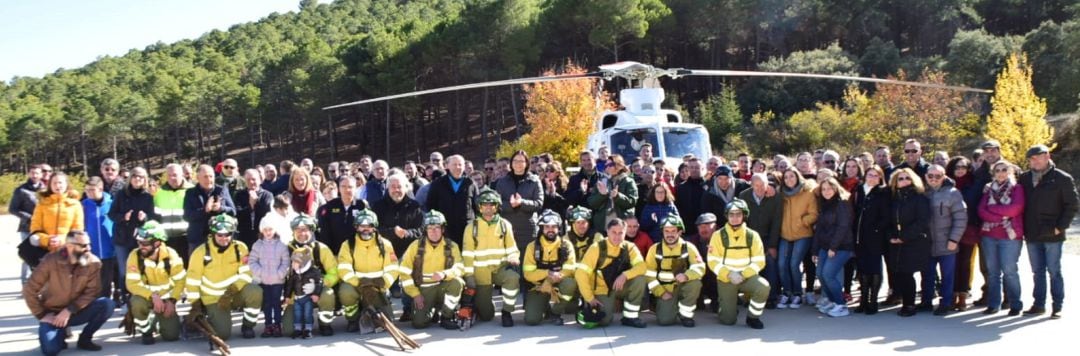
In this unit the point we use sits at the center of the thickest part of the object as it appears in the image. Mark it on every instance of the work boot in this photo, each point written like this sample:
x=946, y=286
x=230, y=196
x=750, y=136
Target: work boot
x=325, y=330
x=687, y=322
x=448, y=323
x=306, y=334
x=148, y=338
x=353, y=326
x=754, y=323
x=86, y=344
x=406, y=316
x=1035, y=310
x=633, y=322
x=507, y=320
x=247, y=332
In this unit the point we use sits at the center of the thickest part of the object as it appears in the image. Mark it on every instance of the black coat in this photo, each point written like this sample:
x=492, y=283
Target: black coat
x=688, y=199
x=1052, y=204
x=574, y=196
x=457, y=206
x=336, y=222
x=712, y=202
x=248, y=218
x=832, y=231
x=195, y=211
x=22, y=204
x=133, y=201
x=872, y=217
x=910, y=222
x=406, y=214
x=376, y=190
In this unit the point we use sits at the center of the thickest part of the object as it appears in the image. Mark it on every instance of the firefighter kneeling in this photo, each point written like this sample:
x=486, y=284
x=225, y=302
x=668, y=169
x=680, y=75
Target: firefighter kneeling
x=613, y=269
x=549, y=271
x=220, y=279
x=367, y=265
x=155, y=278
x=737, y=256
x=491, y=257
x=430, y=272
x=674, y=269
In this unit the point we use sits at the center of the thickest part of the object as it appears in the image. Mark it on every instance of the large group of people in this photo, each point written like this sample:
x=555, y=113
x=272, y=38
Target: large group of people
x=300, y=245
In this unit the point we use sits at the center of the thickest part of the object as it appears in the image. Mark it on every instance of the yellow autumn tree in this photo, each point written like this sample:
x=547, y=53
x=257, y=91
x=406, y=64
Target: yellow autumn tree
x=560, y=116
x=1017, y=118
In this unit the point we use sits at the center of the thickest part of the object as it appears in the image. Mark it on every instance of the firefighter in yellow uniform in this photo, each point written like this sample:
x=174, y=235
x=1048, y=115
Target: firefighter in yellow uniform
x=737, y=256
x=219, y=280
x=581, y=234
x=674, y=269
x=430, y=272
x=549, y=273
x=612, y=269
x=304, y=227
x=491, y=257
x=368, y=267
x=155, y=279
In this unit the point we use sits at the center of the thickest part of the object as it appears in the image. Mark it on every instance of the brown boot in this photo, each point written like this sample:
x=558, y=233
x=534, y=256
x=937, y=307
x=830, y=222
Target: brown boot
x=961, y=302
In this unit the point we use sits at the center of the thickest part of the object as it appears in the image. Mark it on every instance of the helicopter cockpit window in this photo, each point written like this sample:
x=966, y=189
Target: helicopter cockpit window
x=628, y=142
x=679, y=141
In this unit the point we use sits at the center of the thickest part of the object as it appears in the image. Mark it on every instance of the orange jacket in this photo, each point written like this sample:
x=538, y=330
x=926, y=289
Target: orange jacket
x=56, y=215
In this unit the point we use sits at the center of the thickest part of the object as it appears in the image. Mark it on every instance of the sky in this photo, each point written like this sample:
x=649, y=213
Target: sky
x=38, y=37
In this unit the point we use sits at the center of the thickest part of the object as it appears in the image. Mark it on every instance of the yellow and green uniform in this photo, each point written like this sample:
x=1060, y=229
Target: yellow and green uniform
x=214, y=272
x=489, y=247
x=581, y=244
x=594, y=273
x=324, y=259
x=421, y=261
x=555, y=255
x=366, y=263
x=740, y=251
x=662, y=264
x=163, y=275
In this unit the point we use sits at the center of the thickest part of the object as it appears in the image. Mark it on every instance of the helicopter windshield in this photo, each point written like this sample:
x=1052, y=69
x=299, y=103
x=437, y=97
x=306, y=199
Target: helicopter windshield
x=680, y=141
x=628, y=142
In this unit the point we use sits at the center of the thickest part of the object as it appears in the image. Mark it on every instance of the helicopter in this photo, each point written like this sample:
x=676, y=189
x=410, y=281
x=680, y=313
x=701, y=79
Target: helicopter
x=641, y=119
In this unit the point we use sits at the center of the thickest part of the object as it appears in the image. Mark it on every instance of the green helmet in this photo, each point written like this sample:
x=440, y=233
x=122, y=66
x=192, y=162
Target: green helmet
x=488, y=196
x=222, y=223
x=434, y=217
x=738, y=204
x=151, y=230
x=304, y=220
x=589, y=317
x=580, y=213
x=365, y=217
x=673, y=220
x=549, y=217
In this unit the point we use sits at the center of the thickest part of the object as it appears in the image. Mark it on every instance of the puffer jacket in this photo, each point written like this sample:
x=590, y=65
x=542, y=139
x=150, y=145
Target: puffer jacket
x=56, y=214
x=269, y=261
x=833, y=228
x=948, y=217
x=800, y=213
x=134, y=201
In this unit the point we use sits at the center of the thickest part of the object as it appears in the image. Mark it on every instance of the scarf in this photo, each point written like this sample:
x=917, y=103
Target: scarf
x=302, y=200
x=1000, y=193
x=793, y=190
x=728, y=194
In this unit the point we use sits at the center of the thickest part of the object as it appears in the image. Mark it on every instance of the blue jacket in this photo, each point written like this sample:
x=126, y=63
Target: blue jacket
x=652, y=226
x=99, y=226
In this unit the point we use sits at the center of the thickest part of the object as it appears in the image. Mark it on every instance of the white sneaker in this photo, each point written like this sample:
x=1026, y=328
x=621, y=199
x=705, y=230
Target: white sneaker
x=796, y=302
x=783, y=303
x=811, y=298
x=821, y=302
x=825, y=308
x=839, y=310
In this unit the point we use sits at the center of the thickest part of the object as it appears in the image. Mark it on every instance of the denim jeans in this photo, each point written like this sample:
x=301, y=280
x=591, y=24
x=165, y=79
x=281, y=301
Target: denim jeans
x=303, y=311
x=271, y=306
x=772, y=274
x=1045, y=258
x=791, y=257
x=24, y=274
x=1001, y=264
x=830, y=271
x=121, y=267
x=947, y=264
x=94, y=316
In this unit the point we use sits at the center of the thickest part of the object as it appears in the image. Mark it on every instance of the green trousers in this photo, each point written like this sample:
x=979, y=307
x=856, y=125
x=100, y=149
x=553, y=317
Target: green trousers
x=682, y=305
x=445, y=296
x=142, y=311
x=509, y=280
x=352, y=301
x=220, y=316
x=756, y=287
x=631, y=294
x=327, y=303
x=537, y=303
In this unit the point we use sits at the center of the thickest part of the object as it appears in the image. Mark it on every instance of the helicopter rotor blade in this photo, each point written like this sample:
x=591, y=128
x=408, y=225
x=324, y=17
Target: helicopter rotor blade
x=743, y=73
x=530, y=80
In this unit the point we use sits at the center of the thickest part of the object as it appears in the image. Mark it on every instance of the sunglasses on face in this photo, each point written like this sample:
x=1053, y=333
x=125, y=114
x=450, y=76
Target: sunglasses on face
x=1001, y=170
x=935, y=176
x=830, y=162
x=228, y=167
x=911, y=151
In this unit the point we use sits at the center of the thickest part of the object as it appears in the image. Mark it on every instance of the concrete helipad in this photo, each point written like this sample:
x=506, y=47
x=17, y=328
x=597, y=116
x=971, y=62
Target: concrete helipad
x=787, y=332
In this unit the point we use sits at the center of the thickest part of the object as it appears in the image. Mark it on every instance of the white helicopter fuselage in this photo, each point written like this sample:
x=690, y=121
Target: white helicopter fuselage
x=643, y=120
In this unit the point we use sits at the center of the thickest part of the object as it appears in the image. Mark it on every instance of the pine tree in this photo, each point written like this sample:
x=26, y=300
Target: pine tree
x=1017, y=118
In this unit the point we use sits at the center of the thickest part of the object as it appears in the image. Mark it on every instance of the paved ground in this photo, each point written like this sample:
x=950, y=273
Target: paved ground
x=801, y=331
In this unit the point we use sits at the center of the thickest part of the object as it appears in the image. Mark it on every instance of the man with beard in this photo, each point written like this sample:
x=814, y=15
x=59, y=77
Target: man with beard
x=737, y=256
x=612, y=269
x=491, y=258
x=402, y=222
x=336, y=216
x=367, y=264
x=720, y=191
x=431, y=271
x=155, y=278
x=674, y=269
x=304, y=227
x=577, y=190
x=63, y=292
x=581, y=235
x=219, y=280
x=549, y=273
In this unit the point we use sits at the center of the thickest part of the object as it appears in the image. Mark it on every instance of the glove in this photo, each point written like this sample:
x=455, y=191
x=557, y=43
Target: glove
x=735, y=277
x=308, y=287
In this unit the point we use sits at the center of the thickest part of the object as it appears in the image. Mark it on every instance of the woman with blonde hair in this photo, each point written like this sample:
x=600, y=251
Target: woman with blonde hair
x=58, y=211
x=909, y=238
x=1001, y=210
x=301, y=193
